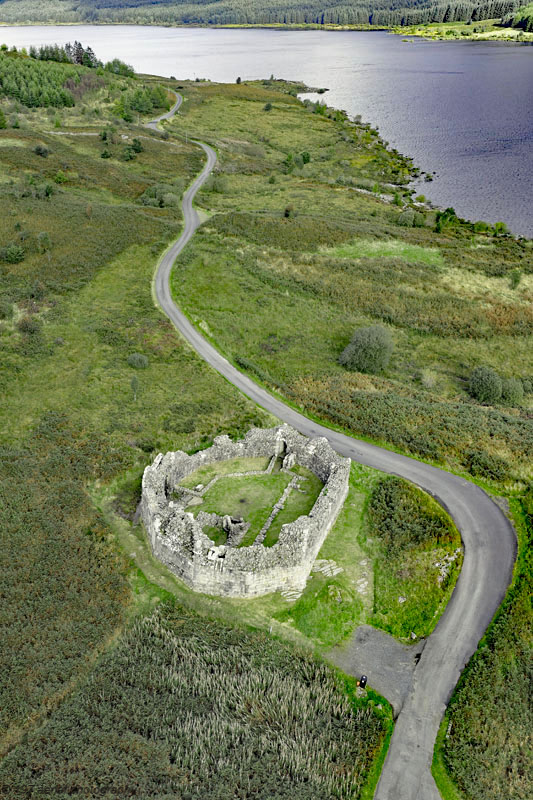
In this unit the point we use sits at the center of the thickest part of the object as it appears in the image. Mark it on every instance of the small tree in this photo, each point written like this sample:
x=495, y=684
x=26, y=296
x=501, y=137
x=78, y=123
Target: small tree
x=369, y=351
x=238, y=80
x=485, y=385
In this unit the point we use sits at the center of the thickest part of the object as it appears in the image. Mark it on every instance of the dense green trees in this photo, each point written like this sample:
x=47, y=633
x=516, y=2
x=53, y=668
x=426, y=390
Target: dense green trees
x=523, y=18
x=378, y=13
x=34, y=83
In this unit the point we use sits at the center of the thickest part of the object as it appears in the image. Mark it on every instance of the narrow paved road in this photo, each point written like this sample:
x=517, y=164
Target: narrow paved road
x=488, y=537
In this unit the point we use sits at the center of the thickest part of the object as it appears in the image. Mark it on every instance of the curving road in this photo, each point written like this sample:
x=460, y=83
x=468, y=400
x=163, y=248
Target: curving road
x=488, y=538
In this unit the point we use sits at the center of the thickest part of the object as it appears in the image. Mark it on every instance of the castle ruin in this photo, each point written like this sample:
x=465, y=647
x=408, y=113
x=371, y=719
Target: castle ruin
x=177, y=537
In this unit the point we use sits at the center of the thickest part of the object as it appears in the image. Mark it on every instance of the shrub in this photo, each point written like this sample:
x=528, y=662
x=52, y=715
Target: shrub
x=105, y=154
x=512, y=391
x=44, y=241
x=485, y=385
x=136, y=146
x=29, y=325
x=6, y=308
x=369, y=351
x=128, y=154
x=41, y=150
x=527, y=385
x=13, y=254
x=403, y=516
x=138, y=361
x=407, y=218
x=170, y=200
x=267, y=107
x=3, y=123
x=485, y=465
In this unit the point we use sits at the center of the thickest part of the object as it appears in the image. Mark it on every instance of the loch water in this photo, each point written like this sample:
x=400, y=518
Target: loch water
x=462, y=109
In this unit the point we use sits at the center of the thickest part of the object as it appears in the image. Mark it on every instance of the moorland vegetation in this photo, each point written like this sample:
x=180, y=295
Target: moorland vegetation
x=181, y=710
x=299, y=255
x=294, y=260
x=94, y=383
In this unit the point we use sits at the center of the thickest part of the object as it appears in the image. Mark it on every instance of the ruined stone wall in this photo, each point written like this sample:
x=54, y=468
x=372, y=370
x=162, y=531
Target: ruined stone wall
x=177, y=538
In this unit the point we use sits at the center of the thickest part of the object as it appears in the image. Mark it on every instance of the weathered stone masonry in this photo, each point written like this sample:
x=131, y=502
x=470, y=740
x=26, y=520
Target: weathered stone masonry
x=178, y=540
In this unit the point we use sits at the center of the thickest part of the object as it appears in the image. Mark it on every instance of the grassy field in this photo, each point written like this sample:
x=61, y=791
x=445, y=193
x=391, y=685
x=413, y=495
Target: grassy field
x=486, y=29
x=75, y=412
x=295, y=259
x=95, y=382
x=253, y=496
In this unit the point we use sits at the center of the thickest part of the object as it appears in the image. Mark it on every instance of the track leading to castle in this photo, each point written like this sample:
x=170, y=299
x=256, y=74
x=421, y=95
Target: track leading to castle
x=488, y=537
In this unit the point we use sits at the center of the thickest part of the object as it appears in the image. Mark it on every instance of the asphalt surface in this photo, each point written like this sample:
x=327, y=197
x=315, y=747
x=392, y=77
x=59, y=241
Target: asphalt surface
x=488, y=538
x=390, y=663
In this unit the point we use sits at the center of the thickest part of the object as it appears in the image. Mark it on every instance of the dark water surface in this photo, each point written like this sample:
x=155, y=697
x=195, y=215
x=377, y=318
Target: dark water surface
x=461, y=109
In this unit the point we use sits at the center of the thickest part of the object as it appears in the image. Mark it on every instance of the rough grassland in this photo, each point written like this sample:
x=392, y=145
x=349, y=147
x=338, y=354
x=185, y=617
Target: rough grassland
x=295, y=258
x=94, y=382
x=74, y=410
x=182, y=710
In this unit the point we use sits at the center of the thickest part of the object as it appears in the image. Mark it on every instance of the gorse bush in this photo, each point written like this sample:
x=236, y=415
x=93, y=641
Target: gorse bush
x=369, y=350
x=12, y=254
x=485, y=385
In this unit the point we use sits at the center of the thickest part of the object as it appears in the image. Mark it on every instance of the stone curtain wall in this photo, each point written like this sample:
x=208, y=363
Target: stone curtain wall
x=177, y=538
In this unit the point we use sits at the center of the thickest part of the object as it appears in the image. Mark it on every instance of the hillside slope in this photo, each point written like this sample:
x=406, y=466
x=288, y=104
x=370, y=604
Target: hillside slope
x=377, y=13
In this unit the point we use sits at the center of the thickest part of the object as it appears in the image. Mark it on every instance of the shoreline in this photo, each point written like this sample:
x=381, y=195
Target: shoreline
x=429, y=31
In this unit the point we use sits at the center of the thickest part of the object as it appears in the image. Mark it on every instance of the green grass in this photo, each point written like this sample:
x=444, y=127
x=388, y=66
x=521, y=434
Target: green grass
x=250, y=497
x=393, y=248
x=299, y=503
x=74, y=411
x=206, y=474
x=412, y=576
